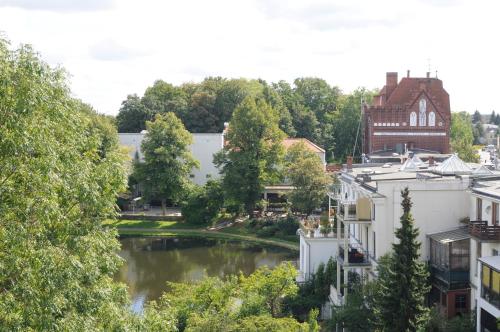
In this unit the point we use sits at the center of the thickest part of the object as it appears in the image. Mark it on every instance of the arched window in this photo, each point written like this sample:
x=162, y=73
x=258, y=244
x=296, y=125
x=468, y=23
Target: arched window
x=432, y=119
x=421, y=114
x=413, y=119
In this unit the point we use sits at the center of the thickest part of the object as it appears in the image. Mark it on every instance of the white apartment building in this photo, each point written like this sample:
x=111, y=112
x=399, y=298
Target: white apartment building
x=368, y=205
x=204, y=146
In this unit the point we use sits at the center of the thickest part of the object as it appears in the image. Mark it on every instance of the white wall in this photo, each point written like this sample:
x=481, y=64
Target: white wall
x=314, y=251
x=204, y=146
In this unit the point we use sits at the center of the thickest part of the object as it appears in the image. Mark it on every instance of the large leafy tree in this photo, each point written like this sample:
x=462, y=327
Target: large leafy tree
x=168, y=162
x=253, y=153
x=306, y=173
x=60, y=175
x=462, y=137
x=402, y=283
x=133, y=115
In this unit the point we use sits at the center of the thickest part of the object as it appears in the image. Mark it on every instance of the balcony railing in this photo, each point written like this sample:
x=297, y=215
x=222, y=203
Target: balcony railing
x=491, y=296
x=483, y=231
x=356, y=256
x=315, y=233
x=448, y=277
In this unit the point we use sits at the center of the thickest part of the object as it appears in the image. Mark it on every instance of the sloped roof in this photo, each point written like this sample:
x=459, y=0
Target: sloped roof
x=412, y=164
x=288, y=142
x=482, y=170
x=453, y=166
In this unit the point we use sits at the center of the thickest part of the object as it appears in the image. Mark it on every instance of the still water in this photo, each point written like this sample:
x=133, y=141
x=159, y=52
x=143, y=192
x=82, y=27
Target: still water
x=152, y=261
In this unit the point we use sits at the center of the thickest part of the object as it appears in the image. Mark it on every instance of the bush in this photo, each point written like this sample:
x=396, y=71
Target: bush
x=267, y=227
x=203, y=203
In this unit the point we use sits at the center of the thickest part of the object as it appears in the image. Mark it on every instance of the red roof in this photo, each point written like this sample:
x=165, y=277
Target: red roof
x=288, y=142
x=410, y=88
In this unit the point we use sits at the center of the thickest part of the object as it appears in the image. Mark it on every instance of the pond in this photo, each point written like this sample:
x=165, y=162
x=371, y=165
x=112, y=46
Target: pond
x=152, y=261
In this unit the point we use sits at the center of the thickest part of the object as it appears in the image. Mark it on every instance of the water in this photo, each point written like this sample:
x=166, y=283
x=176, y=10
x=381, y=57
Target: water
x=152, y=261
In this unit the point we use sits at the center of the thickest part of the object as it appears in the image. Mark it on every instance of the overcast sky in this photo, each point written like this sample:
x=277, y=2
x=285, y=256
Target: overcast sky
x=115, y=48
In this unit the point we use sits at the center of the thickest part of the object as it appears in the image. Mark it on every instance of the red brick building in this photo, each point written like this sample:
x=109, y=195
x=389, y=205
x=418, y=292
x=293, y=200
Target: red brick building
x=413, y=114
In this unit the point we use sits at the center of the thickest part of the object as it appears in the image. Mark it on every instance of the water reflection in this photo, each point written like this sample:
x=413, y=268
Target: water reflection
x=150, y=262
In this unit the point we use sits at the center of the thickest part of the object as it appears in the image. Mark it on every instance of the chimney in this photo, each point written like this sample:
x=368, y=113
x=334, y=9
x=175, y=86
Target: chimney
x=428, y=74
x=408, y=73
x=431, y=161
x=391, y=82
x=349, y=163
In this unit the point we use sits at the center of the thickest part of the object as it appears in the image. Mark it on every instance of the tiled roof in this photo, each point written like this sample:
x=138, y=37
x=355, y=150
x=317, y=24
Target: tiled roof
x=288, y=142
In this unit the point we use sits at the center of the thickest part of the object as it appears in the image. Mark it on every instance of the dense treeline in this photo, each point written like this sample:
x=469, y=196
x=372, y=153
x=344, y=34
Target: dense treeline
x=308, y=108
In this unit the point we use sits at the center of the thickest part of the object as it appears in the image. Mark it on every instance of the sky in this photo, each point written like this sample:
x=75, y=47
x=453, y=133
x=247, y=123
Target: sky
x=112, y=48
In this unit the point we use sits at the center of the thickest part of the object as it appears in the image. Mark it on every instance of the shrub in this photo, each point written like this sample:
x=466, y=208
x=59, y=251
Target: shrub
x=203, y=203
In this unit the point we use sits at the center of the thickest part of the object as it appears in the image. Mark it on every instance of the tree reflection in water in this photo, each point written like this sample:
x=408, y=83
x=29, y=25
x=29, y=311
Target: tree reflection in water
x=152, y=261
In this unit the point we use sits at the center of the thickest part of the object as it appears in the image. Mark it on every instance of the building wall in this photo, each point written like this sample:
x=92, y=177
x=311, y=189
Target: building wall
x=314, y=251
x=204, y=146
x=428, y=198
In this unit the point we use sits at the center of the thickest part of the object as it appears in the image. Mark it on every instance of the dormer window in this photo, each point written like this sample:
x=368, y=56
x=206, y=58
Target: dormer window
x=422, y=116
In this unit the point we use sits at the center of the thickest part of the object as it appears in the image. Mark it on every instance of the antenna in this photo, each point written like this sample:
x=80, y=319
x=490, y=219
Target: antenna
x=436, y=73
x=429, y=65
x=359, y=124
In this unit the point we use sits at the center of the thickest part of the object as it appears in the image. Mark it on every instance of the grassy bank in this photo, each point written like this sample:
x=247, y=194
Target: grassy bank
x=176, y=228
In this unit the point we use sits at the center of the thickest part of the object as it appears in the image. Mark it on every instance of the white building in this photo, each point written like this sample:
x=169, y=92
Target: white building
x=488, y=295
x=204, y=146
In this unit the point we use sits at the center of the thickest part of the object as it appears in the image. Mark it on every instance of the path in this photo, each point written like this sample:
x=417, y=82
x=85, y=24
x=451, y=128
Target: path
x=212, y=233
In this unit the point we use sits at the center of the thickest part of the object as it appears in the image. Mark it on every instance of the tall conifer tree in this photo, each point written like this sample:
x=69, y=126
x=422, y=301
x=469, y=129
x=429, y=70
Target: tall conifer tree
x=399, y=304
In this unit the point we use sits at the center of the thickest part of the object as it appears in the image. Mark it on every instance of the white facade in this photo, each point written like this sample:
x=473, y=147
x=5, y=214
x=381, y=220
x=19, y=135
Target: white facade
x=204, y=146
x=315, y=249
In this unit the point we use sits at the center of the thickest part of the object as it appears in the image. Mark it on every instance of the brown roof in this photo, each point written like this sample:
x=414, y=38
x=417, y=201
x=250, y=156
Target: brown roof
x=288, y=142
x=410, y=88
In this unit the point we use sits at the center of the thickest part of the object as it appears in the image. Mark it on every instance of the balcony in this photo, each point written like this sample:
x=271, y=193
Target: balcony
x=483, y=231
x=355, y=257
x=491, y=296
x=312, y=230
x=359, y=212
x=450, y=279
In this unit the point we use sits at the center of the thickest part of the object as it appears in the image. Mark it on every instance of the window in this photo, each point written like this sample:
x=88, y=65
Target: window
x=422, y=116
x=413, y=119
x=479, y=209
x=494, y=213
x=494, y=252
x=432, y=119
x=461, y=302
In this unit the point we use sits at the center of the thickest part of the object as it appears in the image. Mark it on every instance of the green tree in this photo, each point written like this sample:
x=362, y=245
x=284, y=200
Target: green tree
x=60, y=178
x=462, y=137
x=493, y=117
x=253, y=153
x=132, y=116
x=164, y=97
x=476, y=117
x=478, y=133
x=402, y=283
x=203, y=203
x=164, y=174
x=265, y=289
x=307, y=174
